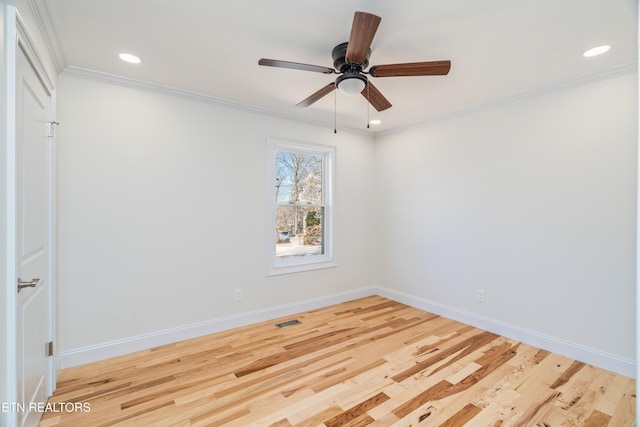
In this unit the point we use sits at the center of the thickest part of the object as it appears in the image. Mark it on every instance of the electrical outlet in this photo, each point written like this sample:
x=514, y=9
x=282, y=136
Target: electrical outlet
x=237, y=294
x=480, y=295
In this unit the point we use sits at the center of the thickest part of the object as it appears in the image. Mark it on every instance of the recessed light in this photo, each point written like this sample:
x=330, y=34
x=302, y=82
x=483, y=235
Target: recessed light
x=598, y=50
x=375, y=122
x=127, y=57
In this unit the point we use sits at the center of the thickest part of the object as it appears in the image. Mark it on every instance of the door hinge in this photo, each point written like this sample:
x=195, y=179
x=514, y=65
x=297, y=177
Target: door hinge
x=49, y=349
x=50, y=126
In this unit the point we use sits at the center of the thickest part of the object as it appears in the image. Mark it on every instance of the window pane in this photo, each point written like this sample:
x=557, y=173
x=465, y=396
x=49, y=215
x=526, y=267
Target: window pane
x=300, y=206
x=299, y=231
x=298, y=178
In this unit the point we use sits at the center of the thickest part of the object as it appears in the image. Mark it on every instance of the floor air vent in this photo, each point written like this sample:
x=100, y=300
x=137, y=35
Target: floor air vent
x=288, y=323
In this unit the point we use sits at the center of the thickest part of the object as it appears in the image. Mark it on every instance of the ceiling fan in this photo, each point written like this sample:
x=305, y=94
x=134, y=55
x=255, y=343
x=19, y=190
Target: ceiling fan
x=351, y=59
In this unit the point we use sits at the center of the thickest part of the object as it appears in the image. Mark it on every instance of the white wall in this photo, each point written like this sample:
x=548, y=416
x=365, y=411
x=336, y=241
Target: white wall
x=533, y=201
x=161, y=214
x=162, y=207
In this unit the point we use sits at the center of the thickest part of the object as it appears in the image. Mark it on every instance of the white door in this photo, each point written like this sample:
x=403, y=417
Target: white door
x=33, y=232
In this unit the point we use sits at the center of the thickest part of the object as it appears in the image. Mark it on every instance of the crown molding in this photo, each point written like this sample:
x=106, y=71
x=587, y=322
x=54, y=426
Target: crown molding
x=181, y=93
x=580, y=81
x=172, y=91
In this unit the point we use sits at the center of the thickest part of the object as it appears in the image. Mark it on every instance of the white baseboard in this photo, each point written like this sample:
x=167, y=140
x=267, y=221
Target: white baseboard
x=121, y=347
x=591, y=356
x=103, y=351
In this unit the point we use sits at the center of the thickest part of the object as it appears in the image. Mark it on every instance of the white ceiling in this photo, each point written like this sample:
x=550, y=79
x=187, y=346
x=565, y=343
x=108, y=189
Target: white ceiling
x=498, y=48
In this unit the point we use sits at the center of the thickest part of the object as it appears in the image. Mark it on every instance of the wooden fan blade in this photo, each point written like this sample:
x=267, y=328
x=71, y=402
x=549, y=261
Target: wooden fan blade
x=295, y=66
x=363, y=29
x=432, y=68
x=375, y=97
x=317, y=95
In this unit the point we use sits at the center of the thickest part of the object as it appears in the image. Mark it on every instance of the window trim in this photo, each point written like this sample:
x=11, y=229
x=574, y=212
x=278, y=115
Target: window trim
x=278, y=266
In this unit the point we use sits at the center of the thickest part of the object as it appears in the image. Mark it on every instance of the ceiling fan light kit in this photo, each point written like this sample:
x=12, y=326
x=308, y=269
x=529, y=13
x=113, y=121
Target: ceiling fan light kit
x=350, y=61
x=351, y=83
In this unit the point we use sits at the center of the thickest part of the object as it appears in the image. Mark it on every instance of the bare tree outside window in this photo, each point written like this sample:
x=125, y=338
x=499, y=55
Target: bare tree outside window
x=299, y=204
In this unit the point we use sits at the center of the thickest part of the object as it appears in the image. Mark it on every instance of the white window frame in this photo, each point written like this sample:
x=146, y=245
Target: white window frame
x=297, y=264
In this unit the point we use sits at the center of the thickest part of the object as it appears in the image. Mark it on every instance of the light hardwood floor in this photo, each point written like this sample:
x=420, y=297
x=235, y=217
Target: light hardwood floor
x=371, y=361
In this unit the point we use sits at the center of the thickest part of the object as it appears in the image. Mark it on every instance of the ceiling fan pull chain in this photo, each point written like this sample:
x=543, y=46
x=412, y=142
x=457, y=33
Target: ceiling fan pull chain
x=368, y=104
x=335, y=111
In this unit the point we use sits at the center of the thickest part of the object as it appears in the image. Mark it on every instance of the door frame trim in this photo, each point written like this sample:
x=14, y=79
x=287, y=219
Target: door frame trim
x=11, y=46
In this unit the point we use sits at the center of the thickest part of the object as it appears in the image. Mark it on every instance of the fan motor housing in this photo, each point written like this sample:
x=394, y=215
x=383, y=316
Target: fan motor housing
x=340, y=63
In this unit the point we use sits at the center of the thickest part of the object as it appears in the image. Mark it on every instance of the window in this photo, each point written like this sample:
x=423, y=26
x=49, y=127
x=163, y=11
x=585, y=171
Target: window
x=300, y=196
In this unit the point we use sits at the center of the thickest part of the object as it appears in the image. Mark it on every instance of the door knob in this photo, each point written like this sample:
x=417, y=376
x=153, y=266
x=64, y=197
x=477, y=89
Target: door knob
x=27, y=284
